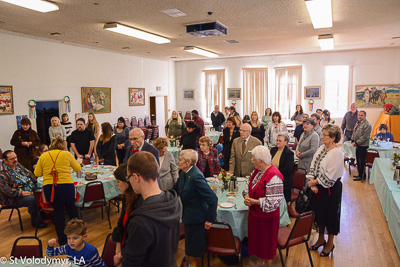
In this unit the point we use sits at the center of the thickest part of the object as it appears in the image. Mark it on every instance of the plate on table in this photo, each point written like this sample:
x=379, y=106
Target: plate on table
x=241, y=179
x=210, y=179
x=226, y=204
x=231, y=194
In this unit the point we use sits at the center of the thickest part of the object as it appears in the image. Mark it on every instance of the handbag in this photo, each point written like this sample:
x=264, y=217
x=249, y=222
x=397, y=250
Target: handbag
x=303, y=200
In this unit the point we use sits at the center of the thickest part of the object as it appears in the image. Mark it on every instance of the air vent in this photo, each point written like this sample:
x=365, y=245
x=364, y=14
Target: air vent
x=175, y=13
x=231, y=41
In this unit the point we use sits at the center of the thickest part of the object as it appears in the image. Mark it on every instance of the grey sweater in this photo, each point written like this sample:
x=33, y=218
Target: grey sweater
x=57, y=131
x=308, y=145
x=362, y=133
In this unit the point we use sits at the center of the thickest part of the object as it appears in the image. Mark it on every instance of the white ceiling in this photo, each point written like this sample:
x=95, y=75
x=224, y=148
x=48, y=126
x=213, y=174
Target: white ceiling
x=262, y=27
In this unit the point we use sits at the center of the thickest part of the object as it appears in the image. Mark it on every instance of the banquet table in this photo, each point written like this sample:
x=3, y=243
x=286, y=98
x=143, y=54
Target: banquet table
x=237, y=218
x=389, y=196
x=214, y=135
x=175, y=151
x=384, y=149
x=105, y=176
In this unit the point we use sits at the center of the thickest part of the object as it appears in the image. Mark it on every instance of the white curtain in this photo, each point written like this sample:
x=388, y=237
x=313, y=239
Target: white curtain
x=255, y=91
x=214, y=90
x=288, y=90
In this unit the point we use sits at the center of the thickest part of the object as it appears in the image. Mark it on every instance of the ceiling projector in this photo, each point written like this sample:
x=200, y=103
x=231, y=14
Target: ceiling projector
x=209, y=29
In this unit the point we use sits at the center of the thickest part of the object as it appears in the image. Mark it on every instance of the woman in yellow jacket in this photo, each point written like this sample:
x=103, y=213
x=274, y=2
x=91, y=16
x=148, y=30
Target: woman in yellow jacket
x=58, y=185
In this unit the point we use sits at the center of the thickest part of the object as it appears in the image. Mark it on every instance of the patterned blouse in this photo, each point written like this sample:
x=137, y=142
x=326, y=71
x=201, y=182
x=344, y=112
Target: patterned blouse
x=273, y=193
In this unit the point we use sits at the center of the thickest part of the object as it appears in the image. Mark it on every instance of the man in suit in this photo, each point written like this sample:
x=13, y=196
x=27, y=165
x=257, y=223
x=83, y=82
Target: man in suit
x=240, y=161
x=136, y=138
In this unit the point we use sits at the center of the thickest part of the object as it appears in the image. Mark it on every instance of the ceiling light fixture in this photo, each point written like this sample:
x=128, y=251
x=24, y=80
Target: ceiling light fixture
x=320, y=13
x=199, y=51
x=136, y=33
x=326, y=42
x=37, y=5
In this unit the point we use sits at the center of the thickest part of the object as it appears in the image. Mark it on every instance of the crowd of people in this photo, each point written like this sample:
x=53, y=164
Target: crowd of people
x=151, y=181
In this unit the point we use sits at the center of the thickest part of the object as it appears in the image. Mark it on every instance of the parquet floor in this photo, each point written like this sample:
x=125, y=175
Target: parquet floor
x=364, y=239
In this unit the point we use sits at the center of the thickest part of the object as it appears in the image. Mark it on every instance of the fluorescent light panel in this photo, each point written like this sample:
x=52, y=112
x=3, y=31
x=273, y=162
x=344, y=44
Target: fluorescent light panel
x=326, y=42
x=320, y=12
x=136, y=33
x=37, y=5
x=200, y=51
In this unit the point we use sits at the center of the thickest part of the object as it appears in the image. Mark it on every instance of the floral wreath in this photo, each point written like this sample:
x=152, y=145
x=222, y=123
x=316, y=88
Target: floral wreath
x=67, y=102
x=311, y=104
x=32, y=109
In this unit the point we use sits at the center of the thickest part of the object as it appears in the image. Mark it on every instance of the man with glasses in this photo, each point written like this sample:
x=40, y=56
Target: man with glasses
x=16, y=187
x=240, y=161
x=152, y=230
x=136, y=138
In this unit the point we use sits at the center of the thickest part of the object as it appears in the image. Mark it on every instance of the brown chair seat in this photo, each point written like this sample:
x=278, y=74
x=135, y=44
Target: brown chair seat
x=293, y=196
x=283, y=236
x=293, y=212
x=224, y=251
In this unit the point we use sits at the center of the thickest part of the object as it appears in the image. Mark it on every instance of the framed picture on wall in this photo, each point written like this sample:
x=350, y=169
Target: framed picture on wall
x=234, y=93
x=313, y=92
x=6, y=100
x=136, y=96
x=96, y=99
x=375, y=96
x=189, y=94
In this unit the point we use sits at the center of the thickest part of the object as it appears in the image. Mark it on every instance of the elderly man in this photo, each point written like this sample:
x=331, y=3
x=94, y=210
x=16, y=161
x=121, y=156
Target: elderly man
x=349, y=121
x=360, y=140
x=82, y=141
x=199, y=121
x=16, y=186
x=240, y=161
x=217, y=118
x=299, y=129
x=136, y=138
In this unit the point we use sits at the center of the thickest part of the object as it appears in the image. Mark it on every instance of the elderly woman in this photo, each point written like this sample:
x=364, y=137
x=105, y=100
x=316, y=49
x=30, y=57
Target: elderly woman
x=324, y=180
x=56, y=129
x=208, y=162
x=25, y=140
x=121, y=132
x=168, y=169
x=267, y=118
x=230, y=133
x=264, y=196
x=59, y=189
x=175, y=126
x=257, y=128
x=326, y=115
x=199, y=204
x=106, y=145
x=384, y=135
x=297, y=115
x=283, y=159
x=130, y=202
x=277, y=126
x=308, y=144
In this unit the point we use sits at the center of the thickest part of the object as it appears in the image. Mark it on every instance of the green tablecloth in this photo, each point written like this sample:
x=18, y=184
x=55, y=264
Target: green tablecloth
x=109, y=183
x=237, y=218
x=389, y=196
x=214, y=135
x=175, y=152
x=384, y=150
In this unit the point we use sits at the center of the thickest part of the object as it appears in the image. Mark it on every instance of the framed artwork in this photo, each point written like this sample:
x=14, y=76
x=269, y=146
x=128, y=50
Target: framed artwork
x=189, y=94
x=136, y=96
x=96, y=99
x=375, y=96
x=234, y=93
x=6, y=100
x=313, y=92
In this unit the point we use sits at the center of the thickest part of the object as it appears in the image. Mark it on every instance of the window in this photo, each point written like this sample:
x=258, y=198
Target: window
x=214, y=90
x=337, y=89
x=287, y=90
x=255, y=91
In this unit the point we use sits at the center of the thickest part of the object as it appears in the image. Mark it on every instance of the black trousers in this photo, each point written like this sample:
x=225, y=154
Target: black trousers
x=361, y=156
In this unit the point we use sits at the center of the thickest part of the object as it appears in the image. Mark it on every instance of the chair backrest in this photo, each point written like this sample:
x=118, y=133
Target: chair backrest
x=299, y=180
x=185, y=262
x=127, y=124
x=180, y=114
x=371, y=155
x=94, y=192
x=134, y=122
x=140, y=123
x=295, y=165
x=147, y=120
x=302, y=227
x=109, y=251
x=220, y=236
x=28, y=251
x=149, y=133
x=292, y=146
x=188, y=115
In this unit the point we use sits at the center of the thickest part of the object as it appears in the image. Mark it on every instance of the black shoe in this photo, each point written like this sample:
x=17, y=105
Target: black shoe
x=40, y=225
x=357, y=179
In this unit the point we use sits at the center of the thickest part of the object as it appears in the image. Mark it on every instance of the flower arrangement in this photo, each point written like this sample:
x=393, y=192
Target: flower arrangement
x=225, y=177
x=374, y=140
x=394, y=111
x=387, y=108
x=172, y=140
x=396, y=159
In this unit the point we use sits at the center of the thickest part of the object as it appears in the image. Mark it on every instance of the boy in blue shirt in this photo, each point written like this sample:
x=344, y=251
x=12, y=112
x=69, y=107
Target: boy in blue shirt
x=77, y=250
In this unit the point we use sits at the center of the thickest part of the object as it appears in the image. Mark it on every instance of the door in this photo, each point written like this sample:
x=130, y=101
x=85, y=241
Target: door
x=153, y=110
x=45, y=110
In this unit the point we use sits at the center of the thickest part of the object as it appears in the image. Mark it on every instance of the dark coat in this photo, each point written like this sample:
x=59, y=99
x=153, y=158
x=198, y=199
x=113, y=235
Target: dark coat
x=17, y=139
x=146, y=147
x=226, y=151
x=285, y=166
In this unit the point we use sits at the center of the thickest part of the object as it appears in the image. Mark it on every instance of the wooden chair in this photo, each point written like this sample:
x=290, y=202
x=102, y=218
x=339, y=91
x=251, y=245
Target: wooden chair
x=94, y=194
x=12, y=208
x=299, y=180
x=221, y=241
x=300, y=233
x=348, y=160
x=371, y=155
x=29, y=251
x=48, y=211
x=109, y=251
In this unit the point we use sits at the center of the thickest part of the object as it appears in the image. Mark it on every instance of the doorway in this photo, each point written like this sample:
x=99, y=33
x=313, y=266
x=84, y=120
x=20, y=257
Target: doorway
x=45, y=110
x=153, y=110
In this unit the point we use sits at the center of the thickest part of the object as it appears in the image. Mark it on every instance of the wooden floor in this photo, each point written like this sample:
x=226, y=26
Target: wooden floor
x=364, y=239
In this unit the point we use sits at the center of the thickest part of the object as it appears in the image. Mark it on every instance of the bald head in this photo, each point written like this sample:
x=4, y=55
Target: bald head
x=353, y=107
x=136, y=137
x=245, y=131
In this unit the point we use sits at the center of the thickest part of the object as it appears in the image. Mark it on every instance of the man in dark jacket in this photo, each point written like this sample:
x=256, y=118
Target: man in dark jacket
x=152, y=234
x=217, y=118
x=136, y=138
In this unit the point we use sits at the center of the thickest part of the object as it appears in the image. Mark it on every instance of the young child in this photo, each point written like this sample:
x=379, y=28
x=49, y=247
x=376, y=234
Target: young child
x=78, y=251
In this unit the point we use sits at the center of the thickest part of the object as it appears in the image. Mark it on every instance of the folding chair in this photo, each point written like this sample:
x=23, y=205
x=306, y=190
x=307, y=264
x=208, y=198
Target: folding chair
x=371, y=155
x=28, y=251
x=134, y=122
x=127, y=123
x=291, y=237
x=109, y=251
x=348, y=160
x=48, y=210
x=12, y=208
x=299, y=180
x=115, y=201
x=188, y=116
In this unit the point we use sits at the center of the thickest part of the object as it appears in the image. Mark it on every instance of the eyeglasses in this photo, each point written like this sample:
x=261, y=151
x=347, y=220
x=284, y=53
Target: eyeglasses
x=129, y=176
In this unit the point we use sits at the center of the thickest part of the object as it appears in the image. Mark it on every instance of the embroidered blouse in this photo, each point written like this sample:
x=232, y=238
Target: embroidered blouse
x=272, y=132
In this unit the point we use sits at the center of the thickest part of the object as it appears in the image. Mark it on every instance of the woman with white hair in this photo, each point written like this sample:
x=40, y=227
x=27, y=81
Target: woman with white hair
x=263, y=198
x=199, y=204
